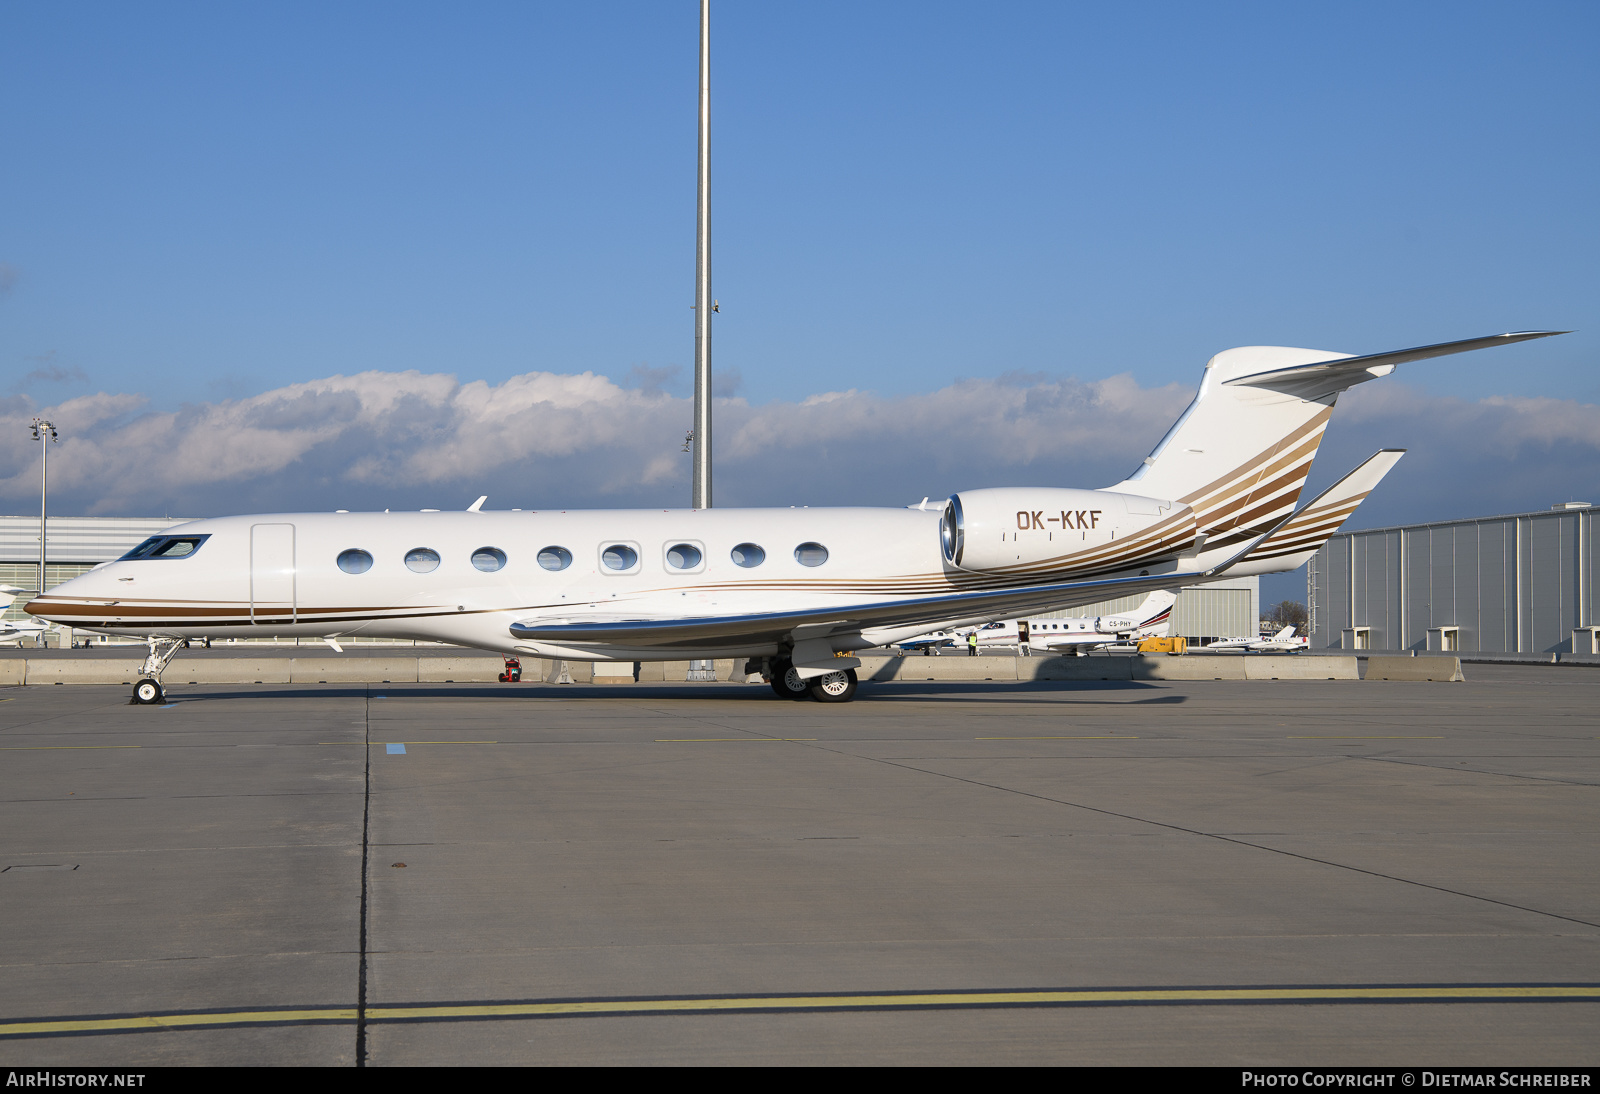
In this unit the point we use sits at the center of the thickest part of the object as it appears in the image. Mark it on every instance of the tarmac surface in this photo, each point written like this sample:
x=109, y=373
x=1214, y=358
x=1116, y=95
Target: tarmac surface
x=1171, y=872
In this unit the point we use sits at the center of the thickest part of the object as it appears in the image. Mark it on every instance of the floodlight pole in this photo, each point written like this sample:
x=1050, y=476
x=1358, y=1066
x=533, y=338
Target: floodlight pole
x=703, y=304
x=44, y=432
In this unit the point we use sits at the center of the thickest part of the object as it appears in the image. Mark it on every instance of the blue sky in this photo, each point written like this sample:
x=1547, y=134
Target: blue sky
x=209, y=202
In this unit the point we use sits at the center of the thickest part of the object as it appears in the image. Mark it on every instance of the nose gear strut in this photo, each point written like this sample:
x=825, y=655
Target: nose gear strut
x=148, y=689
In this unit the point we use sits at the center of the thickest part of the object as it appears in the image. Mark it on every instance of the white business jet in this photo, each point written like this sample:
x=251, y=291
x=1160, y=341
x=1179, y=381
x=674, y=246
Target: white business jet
x=14, y=631
x=1282, y=642
x=794, y=591
x=1152, y=618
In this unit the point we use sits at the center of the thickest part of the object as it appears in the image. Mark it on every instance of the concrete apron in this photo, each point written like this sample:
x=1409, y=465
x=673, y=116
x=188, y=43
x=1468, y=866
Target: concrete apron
x=478, y=669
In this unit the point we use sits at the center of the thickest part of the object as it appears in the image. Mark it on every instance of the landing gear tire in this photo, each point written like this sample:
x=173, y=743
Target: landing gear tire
x=787, y=683
x=147, y=692
x=835, y=687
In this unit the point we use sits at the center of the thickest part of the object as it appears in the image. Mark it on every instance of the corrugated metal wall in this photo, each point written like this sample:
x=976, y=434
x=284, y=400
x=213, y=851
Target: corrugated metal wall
x=1512, y=584
x=1224, y=609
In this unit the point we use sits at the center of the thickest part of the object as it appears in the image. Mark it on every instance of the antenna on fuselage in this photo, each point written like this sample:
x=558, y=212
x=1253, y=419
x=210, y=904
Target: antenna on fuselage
x=700, y=494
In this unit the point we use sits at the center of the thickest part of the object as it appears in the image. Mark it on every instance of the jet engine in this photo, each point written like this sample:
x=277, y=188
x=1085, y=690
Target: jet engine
x=1039, y=530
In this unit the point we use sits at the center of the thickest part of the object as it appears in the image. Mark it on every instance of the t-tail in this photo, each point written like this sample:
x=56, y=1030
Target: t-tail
x=1240, y=454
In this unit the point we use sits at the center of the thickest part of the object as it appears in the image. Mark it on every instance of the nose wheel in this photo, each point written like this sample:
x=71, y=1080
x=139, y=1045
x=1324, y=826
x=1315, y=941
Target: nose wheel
x=148, y=690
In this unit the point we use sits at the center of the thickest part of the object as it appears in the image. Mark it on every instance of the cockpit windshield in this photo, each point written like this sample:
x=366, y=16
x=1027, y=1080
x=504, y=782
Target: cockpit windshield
x=166, y=547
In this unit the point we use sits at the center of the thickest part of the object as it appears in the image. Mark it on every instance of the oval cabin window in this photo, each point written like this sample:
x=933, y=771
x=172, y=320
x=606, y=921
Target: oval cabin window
x=683, y=556
x=555, y=558
x=811, y=554
x=488, y=559
x=422, y=560
x=619, y=556
x=355, y=561
x=748, y=555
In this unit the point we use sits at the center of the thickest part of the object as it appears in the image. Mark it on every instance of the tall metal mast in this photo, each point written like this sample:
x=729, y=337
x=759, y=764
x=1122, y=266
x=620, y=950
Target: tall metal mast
x=44, y=432
x=703, y=304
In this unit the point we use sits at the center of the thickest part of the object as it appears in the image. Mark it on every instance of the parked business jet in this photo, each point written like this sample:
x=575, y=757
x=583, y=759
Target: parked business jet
x=15, y=631
x=794, y=591
x=1152, y=618
x=1282, y=642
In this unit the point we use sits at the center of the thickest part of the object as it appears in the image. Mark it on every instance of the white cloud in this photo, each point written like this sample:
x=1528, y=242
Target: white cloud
x=408, y=440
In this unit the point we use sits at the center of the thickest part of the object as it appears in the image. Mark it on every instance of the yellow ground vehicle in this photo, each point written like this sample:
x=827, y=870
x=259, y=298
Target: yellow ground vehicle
x=1164, y=645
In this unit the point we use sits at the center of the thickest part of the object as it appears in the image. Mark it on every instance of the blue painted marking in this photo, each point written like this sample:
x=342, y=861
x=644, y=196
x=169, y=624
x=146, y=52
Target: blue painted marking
x=169, y=706
x=397, y=750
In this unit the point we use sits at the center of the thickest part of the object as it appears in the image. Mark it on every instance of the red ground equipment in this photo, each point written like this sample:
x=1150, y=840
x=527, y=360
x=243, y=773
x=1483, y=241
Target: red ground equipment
x=513, y=673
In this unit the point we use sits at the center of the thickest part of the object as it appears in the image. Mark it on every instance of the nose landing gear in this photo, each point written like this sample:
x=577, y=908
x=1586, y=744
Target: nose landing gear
x=148, y=690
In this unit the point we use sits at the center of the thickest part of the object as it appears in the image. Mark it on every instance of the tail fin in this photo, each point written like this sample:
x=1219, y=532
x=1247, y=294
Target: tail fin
x=1155, y=614
x=1240, y=454
x=1305, y=533
x=1285, y=633
x=9, y=593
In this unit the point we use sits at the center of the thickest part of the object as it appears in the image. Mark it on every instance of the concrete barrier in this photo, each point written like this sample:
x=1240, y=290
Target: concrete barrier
x=1160, y=666
x=1074, y=668
x=225, y=670
x=612, y=672
x=352, y=670
x=1446, y=669
x=13, y=670
x=83, y=670
x=469, y=670
x=880, y=669
x=1300, y=666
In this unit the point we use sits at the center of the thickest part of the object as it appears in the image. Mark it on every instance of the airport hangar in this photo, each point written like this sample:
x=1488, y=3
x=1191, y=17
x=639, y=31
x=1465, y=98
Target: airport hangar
x=1521, y=584
x=1219, y=609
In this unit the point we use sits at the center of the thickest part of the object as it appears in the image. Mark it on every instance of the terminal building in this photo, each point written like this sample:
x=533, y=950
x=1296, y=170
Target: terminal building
x=1219, y=609
x=1517, y=584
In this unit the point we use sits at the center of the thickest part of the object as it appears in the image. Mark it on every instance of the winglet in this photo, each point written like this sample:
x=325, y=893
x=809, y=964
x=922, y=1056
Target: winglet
x=477, y=506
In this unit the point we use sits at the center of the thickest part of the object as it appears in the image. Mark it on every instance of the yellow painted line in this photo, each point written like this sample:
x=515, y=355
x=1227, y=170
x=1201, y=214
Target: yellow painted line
x=1364, y=738
x=53, y=748
x=579, y=1008
x=710, y=740
x=1106, y=737
x=447, y=742
x=176, y=1021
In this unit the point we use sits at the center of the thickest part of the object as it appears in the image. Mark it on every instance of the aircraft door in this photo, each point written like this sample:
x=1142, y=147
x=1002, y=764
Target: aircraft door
x=1022, y=631
x=272, y=576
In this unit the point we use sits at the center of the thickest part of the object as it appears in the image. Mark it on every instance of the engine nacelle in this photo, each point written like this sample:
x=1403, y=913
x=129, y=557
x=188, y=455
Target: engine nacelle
x=1041, y=530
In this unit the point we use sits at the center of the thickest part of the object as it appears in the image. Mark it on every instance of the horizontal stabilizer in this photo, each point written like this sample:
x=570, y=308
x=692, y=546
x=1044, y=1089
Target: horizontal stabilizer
x=1311, y=527
x=1323, y=378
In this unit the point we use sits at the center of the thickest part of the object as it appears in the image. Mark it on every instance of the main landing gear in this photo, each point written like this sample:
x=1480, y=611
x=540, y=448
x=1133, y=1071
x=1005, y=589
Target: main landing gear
x=833, y=687
x=148, y=690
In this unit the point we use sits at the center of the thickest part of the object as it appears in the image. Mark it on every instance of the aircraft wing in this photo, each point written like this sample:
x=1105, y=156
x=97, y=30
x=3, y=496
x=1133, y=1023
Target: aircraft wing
x=816, y=624
x=761, y=628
